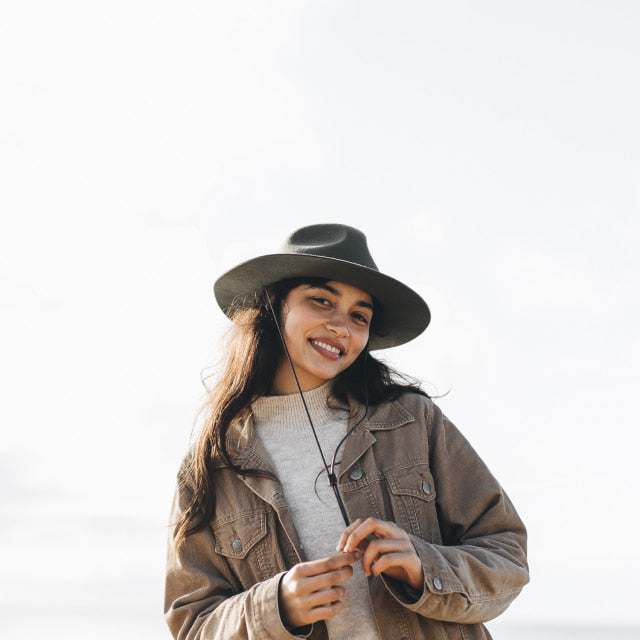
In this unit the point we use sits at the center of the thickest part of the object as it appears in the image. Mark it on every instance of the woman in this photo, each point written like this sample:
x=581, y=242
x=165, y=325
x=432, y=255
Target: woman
x=411, y=537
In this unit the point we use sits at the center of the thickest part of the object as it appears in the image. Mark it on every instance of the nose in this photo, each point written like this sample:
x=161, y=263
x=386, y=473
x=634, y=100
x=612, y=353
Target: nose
x=338, y=324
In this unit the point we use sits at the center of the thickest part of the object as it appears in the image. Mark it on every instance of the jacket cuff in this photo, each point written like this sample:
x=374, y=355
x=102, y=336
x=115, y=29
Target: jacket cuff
x=402, y=592
x=437, y=579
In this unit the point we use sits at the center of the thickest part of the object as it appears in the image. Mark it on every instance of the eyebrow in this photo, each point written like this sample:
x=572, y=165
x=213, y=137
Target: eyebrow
x=326, y=287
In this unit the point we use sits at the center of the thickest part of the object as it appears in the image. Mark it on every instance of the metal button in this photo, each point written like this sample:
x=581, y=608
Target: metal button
x=236, y=545
x=437, y=583
x=356, y=474
x=426, y=487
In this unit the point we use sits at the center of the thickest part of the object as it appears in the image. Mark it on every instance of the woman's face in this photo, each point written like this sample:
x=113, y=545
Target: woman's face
x=325, y=327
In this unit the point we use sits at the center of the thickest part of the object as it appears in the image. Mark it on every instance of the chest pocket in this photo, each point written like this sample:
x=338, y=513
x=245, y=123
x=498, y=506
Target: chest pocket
x=413, y=500
x=237, y=537
x=243, y=541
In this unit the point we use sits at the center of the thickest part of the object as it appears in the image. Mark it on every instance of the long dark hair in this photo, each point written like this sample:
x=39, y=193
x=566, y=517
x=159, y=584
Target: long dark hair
x=252, y=353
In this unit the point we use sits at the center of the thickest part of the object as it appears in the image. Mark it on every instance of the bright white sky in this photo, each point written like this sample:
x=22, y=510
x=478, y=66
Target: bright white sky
x=490, y=151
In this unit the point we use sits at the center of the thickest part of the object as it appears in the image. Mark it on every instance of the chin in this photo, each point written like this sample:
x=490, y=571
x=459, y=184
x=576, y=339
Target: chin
x=320, y=378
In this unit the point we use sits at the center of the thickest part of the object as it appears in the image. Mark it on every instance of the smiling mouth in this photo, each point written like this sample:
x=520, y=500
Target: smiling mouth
x=327, y=347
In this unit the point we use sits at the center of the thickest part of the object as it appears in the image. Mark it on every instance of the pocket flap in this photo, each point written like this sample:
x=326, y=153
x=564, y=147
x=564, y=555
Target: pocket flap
x=415, y=481
x=235, y=538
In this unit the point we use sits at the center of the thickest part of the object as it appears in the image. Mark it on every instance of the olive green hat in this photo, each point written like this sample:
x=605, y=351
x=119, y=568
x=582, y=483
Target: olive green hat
x=336, y=252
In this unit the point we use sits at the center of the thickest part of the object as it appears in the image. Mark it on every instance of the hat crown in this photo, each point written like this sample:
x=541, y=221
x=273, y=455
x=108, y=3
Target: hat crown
x=337, y=241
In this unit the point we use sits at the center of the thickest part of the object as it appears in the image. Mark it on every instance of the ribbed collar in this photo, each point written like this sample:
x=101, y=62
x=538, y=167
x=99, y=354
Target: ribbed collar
x=288, y=411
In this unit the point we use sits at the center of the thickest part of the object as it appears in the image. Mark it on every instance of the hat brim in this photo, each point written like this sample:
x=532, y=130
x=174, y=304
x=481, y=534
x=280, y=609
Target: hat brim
x=403, y=314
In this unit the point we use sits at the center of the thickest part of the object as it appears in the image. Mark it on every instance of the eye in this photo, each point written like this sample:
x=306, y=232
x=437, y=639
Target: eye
x=323, y=301
x=358, y=317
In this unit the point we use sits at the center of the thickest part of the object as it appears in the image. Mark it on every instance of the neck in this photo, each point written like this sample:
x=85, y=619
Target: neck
x=284, y=382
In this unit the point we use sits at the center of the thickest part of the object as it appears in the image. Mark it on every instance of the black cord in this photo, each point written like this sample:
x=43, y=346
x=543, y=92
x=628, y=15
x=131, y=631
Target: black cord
x=333, y=481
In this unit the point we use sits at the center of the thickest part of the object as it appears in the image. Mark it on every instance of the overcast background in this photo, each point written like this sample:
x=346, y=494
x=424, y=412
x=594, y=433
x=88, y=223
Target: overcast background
x=489, y=150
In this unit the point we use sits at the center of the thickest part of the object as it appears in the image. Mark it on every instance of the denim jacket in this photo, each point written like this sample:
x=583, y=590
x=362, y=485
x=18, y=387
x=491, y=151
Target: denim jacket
x=406, y=462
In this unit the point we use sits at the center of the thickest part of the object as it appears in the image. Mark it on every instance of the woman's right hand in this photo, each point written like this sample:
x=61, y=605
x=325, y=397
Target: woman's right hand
x=311, y=591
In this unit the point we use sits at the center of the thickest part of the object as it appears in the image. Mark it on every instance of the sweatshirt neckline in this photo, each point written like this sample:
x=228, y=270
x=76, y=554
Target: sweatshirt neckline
x=287, y=411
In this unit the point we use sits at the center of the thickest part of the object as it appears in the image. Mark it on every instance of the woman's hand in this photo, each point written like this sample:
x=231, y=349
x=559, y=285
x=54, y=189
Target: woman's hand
x=311, y=591
x=390, y=552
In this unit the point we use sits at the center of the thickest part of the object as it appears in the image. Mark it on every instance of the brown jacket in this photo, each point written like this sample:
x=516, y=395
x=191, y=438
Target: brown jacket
x=406, y=463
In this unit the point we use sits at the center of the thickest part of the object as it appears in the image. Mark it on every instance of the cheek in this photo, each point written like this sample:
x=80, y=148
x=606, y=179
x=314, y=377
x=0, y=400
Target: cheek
x=293, y=327
x=363, y=338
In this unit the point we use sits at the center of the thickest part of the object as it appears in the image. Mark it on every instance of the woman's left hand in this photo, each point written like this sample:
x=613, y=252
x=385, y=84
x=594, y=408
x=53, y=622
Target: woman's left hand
x=390, y=552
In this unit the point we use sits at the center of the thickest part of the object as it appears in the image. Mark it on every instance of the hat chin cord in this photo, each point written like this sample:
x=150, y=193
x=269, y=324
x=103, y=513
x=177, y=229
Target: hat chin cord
x=333, y=480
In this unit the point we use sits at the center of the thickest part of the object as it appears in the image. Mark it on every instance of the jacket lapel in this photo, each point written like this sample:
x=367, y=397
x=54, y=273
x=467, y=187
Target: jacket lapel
x=251, y=454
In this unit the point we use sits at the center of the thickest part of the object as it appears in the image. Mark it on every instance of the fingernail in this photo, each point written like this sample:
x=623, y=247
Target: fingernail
x=358, y=555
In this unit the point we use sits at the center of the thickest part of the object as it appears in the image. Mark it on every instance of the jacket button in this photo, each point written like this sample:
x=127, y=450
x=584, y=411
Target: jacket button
x=236, y=545
x=426, y=487
x=437, y=583
x=356, y=474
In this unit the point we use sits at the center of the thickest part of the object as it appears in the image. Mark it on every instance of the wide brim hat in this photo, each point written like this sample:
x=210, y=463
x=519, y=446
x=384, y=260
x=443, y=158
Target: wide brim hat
x=335, y=252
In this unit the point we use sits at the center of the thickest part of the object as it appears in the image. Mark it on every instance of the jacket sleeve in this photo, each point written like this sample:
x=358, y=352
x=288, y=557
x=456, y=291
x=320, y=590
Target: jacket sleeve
x=481, y=565
x=202, y=598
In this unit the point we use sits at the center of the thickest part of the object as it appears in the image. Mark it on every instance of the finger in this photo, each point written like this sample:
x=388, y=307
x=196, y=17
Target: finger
x=399, y=559
x=306, y=577
x=326, y=580
x=325, y=565
x=324, y=597
x=345, y=534
x=324, y=612
x=366, y=529
x=372, y=526
x=407, y=567
x=380, y=547
x=301, y=615
x=298, y=595
x=319, y=606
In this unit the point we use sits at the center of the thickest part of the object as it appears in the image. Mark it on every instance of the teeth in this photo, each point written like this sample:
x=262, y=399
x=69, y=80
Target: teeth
x=326, y=346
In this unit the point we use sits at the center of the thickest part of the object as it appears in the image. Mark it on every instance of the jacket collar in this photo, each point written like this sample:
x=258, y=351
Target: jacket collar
x=245, y=447
x=249, y=453
x=381, y=417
